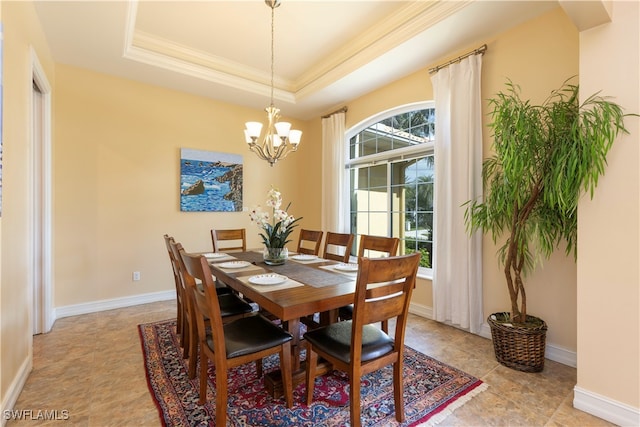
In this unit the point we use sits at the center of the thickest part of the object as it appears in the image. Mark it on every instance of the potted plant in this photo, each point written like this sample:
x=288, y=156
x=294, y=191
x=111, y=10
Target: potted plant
x=544, y=158
x=277, y=227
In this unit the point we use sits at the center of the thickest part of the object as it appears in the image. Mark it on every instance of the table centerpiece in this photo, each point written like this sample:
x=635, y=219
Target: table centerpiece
x=277, y=227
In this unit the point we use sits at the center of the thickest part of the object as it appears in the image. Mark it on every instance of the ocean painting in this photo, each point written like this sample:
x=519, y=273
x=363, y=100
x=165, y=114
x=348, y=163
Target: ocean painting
x=210, y=181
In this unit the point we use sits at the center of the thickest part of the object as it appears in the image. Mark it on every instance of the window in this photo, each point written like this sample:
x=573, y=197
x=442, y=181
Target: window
x=391, y=176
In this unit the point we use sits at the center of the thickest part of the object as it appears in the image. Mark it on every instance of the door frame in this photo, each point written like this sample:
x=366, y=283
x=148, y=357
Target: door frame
x=40, y=208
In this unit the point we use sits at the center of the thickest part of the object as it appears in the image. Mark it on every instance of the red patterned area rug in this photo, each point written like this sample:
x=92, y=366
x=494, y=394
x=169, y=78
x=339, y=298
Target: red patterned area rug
x=431, y=391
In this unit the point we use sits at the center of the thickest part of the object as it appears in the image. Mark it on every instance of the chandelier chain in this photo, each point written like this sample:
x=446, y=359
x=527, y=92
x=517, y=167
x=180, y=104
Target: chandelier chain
x=273, y=8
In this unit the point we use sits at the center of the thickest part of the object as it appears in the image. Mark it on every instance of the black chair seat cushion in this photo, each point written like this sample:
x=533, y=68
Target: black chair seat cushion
x=231, y=304
x=345, y=312
x=250, y=335
x=335, y=340
x=221, y=288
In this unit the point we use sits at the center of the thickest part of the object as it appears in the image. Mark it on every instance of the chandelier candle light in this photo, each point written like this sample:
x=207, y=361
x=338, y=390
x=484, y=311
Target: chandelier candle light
x=279, y=139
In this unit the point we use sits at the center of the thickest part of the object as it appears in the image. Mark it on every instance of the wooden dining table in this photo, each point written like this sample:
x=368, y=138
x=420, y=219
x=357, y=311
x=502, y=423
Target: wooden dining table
x=310, y=286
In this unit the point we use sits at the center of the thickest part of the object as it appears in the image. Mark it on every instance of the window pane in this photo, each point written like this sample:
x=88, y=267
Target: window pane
x=378, y=224
x=399, y=131
x=378, y=176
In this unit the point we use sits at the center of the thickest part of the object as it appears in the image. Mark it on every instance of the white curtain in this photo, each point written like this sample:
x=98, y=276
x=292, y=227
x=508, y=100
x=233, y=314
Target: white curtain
x=333, y=152
x=457, y=269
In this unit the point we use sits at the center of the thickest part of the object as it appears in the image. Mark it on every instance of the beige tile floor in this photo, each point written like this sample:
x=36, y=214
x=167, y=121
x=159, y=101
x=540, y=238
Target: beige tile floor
x=91, y=366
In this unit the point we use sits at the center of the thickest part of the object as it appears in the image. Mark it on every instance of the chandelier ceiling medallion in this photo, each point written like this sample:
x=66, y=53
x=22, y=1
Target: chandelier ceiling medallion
x=279, y=139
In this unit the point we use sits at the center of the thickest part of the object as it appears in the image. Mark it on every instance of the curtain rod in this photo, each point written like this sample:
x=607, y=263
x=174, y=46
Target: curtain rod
x=341, y=110
x=481, y=50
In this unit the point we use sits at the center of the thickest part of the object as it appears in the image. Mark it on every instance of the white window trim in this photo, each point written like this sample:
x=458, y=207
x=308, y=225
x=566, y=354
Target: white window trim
x=402, y=154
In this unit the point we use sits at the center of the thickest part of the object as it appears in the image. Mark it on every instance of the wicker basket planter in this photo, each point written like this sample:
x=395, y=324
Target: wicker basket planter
x=518, y=347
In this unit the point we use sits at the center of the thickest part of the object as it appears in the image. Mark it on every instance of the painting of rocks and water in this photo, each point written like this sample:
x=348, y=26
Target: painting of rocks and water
x=210, y=181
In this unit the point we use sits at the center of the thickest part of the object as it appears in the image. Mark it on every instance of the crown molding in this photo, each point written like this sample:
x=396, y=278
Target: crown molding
x=158, y=52
x=398, y=28
x=393, y=31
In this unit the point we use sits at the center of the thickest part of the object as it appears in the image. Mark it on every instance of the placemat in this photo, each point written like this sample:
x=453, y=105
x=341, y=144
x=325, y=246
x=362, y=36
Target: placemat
x=268, y=288
x=307, y=261
x=352, y=274
x=249, y=267
x=214, y=260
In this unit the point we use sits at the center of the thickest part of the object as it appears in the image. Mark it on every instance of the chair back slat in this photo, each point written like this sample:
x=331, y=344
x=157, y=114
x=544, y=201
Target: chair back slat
x=335, y=241
x=229, y=240
x=376, y=246
x=309, y=242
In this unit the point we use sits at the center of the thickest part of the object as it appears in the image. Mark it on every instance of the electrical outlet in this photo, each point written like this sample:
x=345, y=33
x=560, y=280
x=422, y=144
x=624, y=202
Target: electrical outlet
x=136, y=276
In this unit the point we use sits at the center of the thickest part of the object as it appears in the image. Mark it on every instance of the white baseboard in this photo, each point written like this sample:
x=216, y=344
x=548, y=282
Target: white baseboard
x=421, y=310
x=605, y=408
x=15, y=388
x=110, y=304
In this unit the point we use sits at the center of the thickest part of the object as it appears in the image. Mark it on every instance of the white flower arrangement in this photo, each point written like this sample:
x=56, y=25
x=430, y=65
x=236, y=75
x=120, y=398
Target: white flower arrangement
x=278, y=225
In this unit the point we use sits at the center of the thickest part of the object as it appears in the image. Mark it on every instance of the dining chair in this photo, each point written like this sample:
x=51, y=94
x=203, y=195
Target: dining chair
x=337, y=247
x=230, y=240
x=376, y=246
x=231, y=307
x=180, y=326
x=309, y=242
x=335, y=243
x=357, y=347
x=232, y=344
x=372, y=247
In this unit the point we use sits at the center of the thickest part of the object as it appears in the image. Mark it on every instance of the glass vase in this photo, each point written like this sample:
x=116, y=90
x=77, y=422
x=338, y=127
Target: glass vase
x=275, y=256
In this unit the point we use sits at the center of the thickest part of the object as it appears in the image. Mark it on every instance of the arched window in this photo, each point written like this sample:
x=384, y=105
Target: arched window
x=391, y=178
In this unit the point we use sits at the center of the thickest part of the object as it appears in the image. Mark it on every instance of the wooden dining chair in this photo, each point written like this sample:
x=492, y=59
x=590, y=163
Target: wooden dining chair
x=180, y=326
x=232, y=344
x=383, y=291
x=231, y=307
x=372, y=247
x=309, y=242
x=377, y=246
x=337, y=246
x=229, y=240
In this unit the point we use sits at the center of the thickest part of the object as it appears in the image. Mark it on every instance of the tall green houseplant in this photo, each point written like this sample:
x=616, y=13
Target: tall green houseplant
x=545, y=157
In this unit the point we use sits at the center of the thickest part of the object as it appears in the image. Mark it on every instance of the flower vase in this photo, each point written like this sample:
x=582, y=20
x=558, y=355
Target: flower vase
x=275, y=256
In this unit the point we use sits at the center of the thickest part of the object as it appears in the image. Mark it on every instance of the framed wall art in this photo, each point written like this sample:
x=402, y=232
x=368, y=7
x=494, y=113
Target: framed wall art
x=210, y=181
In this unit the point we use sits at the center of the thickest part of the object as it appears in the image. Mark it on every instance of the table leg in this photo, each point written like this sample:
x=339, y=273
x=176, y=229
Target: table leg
x=293, y=327
x=328, y=317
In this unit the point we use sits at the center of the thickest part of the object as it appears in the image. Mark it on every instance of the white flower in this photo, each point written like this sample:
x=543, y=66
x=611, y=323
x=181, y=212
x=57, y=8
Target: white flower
x=274, y=198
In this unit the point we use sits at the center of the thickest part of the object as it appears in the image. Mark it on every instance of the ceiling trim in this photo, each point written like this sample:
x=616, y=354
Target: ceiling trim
x=398, y=28
x=155, y=51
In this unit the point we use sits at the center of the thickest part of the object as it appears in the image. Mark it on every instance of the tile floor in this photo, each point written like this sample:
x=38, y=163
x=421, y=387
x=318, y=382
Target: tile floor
x=91, y=366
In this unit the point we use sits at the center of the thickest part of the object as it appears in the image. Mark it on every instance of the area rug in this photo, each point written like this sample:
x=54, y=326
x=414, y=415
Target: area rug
x=431, y=391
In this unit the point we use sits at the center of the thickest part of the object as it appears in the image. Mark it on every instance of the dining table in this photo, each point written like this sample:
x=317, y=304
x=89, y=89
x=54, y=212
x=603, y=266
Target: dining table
x=292, y=292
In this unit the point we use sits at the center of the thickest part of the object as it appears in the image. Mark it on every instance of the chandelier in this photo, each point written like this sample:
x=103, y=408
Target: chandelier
x=279, y=139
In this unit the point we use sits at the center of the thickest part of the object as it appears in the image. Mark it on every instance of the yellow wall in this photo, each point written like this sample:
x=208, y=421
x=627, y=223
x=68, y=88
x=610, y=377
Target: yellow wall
x=117, y=150
x=21, y=33
x=522, y=54
x=609, y=225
